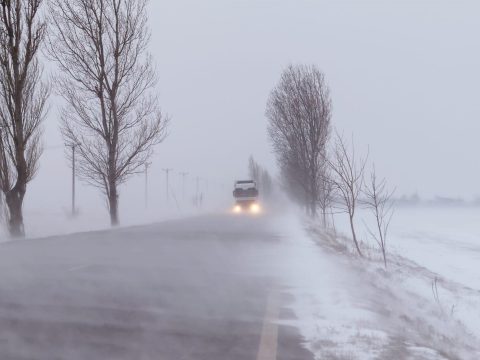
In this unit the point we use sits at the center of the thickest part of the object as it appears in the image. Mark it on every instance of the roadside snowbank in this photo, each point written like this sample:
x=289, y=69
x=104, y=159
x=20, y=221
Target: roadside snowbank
x=350, y=308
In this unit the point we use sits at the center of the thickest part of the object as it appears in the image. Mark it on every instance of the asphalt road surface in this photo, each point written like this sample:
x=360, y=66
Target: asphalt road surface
x=205, y=288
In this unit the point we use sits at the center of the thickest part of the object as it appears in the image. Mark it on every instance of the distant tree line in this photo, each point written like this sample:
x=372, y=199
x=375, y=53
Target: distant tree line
x=106, y=78
x=262, y=178
x=324, y=175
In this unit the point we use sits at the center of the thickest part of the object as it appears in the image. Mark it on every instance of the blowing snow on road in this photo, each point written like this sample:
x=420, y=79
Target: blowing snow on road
x=201, y=288
x=210, y=287
x=239, y=180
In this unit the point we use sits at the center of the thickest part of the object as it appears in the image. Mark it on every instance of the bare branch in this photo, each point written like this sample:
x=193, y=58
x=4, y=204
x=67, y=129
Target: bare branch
x=347, y=180
x=23, y=97
x=379, y=200
x=107, y=80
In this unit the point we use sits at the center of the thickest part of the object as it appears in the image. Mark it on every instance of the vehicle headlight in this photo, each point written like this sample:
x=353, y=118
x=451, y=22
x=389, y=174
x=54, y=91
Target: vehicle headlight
x=255, y=208
x=237, y=209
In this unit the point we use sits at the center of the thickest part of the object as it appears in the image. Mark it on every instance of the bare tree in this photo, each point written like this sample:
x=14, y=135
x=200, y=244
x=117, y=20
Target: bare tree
x=107, y=80
x=267, y=184
x=299, y=113
x=292, y=177
x=326, y=190
x=262, y=178
x=23, y=97
x=254, y=170
x=347, y=171
x=379, y=200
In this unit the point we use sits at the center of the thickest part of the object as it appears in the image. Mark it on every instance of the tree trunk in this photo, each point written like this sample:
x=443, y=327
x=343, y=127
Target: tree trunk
x=354, y=235
x=113, y=205
x=312, y=208
x=14, y=200
x=333, y=222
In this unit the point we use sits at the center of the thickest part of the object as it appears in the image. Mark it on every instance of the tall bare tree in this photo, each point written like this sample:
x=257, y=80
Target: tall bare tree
x=267, y=184
x=299, y=112
x=292, y=176
x=348, y=170
x=23, y=97
x=107, y=80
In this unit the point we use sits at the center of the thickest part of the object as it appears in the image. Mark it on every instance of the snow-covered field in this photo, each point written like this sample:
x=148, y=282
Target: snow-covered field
x=425, y=306
x=445, y=240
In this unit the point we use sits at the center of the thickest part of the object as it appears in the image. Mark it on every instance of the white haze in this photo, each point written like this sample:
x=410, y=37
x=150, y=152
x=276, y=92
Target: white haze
x=403, y=76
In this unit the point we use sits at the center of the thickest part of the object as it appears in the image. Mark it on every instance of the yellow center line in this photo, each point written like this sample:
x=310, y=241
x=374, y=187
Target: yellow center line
x=269, y=337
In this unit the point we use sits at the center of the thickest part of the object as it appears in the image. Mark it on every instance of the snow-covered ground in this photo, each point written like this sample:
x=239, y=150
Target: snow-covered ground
x=425, y=306
x=445, y=240
x=56, y=220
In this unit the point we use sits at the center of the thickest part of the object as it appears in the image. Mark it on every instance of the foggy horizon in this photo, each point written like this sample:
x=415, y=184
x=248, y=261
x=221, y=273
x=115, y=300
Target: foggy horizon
x=402, y=76
x=308, y=190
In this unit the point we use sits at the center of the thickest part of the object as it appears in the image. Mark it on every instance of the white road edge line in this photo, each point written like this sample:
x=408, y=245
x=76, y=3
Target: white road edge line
x=269, y=338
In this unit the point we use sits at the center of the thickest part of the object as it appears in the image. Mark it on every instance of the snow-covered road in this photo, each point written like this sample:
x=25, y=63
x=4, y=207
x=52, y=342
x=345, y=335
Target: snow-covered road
x=224, y=287
x=201, y=288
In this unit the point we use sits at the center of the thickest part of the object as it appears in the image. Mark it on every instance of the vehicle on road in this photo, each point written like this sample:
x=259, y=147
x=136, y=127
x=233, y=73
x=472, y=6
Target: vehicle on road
x=246, y=197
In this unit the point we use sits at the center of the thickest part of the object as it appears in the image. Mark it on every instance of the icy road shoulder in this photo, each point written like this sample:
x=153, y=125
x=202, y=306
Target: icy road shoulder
x=349, y=308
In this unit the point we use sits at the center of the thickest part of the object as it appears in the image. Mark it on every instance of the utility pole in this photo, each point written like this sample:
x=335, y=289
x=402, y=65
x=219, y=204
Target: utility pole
x=204, y=191
x=167, y=171
x=147, y=165
x=73, y=146
x=197, y=196
x=183, y=175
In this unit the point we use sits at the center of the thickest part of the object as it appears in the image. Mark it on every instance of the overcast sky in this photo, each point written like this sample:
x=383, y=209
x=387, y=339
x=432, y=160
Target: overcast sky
x=404, y=77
